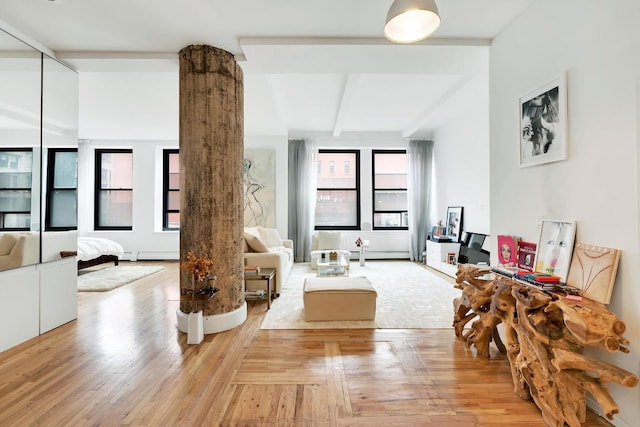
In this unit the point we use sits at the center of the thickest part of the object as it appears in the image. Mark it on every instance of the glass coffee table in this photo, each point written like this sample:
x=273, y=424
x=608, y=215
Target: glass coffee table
x=333, y=263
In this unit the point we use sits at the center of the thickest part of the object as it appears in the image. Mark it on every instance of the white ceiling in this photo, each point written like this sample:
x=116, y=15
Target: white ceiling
x=310, y=67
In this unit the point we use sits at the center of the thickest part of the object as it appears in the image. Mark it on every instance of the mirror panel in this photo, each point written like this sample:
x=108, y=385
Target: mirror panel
x=60, y=158
x=20, y=154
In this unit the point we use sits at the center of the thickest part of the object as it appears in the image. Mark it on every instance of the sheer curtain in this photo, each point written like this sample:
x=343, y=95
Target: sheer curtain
x=420, y=158
x=303, y=177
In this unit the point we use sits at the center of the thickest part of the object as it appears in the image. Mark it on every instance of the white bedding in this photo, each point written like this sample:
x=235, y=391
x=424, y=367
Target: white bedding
x=92, y=247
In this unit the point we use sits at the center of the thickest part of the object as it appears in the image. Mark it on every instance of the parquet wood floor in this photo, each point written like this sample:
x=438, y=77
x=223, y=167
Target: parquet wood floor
x=122, y=362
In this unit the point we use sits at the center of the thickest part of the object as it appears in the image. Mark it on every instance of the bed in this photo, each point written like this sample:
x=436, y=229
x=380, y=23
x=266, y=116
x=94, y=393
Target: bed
x=96, y=250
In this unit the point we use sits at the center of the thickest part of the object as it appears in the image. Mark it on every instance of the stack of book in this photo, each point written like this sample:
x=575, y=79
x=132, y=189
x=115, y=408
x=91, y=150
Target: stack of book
x=256, y=293
x=546, y=282
x=251, y=271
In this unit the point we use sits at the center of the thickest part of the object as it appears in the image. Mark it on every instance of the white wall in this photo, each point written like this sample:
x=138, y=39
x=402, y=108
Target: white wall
x=383, y=244
x=597, y=43
x=461, y=162
x=147, y=240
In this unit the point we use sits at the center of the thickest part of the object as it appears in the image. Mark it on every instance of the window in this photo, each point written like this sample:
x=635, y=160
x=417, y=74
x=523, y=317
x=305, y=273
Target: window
x=15, y=189
x=62, y=189
x=390, y=190
x=114, y=190
x=171, y=190
x=338, y=196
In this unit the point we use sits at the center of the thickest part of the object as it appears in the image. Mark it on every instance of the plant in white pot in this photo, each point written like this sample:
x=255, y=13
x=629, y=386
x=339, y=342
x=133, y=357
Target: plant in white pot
x=199, y=268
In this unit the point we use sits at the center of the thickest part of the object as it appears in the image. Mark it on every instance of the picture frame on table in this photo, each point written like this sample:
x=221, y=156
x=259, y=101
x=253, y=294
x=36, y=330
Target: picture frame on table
x=555, y=248
x=543, y=123
x=454, y=223
x=526, y=255
x=451, y=258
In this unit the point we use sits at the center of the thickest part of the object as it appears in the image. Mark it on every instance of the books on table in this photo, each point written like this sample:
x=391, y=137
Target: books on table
x=251, y=271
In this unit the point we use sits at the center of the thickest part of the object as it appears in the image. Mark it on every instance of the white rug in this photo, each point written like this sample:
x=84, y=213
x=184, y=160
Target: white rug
x=109, y=278
x=409, y=297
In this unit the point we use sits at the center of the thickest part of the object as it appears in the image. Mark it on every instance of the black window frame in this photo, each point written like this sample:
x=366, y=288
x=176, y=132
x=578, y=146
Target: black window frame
x=51, y=164
x=166, y=154
x=29, y=189
x=98, y=189
x=357, y=190
x=374, y=211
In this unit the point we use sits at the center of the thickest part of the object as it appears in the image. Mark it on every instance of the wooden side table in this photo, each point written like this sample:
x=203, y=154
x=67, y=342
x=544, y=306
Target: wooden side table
x=266, y=274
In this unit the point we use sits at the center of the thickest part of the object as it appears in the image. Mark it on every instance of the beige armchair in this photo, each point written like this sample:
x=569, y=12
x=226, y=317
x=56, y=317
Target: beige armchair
x=323, y=241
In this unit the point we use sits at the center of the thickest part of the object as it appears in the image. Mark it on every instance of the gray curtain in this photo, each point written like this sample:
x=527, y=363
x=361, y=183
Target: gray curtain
x=420, y=158
x=303, y=176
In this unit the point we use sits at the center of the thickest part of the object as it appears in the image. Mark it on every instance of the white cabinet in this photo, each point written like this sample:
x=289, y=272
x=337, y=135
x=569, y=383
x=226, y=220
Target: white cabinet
x=438, y=254
x=58, y=293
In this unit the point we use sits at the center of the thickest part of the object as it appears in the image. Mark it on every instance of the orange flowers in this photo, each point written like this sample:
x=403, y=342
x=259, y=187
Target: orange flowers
x=199, y=267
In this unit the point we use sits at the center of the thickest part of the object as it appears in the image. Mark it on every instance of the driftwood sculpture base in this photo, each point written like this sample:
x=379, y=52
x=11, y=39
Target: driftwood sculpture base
x=544, y=336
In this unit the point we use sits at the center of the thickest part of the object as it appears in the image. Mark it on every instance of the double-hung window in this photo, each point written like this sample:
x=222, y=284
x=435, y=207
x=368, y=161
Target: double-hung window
x=62, y=189
x=390, y=190
x=171, y=190
x=15, y=189
x=338, y=191
x=114, y=190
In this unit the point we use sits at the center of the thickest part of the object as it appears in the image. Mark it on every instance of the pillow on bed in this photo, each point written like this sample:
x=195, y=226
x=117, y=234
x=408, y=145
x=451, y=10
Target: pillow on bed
x=254, y=241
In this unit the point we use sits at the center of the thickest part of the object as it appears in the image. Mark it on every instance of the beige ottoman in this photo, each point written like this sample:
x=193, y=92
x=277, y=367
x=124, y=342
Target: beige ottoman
x=339, y=298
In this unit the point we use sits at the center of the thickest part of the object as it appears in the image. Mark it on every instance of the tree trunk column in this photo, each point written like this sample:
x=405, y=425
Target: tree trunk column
x=211, y=186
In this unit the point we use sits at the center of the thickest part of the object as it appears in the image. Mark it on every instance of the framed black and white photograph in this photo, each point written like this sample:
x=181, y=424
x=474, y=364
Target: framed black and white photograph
x=555, y=248
x=454, y=222
x=543, y=123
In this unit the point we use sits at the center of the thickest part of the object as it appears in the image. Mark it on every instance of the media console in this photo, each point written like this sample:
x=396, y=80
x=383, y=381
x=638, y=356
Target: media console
x=438, y=256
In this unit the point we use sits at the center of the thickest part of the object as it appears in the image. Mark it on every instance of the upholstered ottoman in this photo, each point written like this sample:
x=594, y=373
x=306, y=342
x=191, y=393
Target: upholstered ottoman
x=339, y=298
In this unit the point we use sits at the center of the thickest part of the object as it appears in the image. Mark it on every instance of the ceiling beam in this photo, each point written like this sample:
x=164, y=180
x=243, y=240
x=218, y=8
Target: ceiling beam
x=423, y=116
x=345, y=103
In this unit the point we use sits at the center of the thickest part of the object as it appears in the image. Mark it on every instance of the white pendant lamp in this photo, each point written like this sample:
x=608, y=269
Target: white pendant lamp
x=410, y=21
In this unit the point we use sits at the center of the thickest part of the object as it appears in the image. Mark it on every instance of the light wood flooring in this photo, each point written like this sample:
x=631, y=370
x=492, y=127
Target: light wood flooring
x=122, y=362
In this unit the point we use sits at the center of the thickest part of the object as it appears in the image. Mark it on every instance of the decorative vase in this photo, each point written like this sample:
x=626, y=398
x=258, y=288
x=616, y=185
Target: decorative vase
x=195, y=331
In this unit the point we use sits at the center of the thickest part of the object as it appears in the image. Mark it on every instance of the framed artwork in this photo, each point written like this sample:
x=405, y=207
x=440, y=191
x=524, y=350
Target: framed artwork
x=454, y=222
x=259, y=175
x=555, y=247
x=543, y=123
x=507, y=250
x=593, y=270
x=526, y=255
x=451, y=258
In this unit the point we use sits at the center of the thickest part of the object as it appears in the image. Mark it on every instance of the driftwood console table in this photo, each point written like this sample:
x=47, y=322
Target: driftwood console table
x=544, y=337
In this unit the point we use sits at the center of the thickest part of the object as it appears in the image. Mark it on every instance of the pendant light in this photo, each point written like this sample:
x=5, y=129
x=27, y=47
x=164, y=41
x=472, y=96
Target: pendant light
x=410, y=21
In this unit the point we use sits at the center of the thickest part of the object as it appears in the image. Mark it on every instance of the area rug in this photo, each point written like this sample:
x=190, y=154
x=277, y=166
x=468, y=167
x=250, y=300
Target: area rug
x=109, y=278
x=409, y=296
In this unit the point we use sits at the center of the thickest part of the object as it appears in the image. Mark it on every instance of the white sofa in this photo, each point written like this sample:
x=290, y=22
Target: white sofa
x=264, y=248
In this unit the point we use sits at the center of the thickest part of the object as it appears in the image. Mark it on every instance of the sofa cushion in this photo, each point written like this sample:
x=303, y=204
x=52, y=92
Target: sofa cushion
x=7, y=242
x=270, y=237
x=329, y=240
x=255, y=242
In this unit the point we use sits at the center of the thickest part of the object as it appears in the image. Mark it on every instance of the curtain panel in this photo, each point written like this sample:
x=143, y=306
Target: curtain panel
x=303, y=173
x=419, y=186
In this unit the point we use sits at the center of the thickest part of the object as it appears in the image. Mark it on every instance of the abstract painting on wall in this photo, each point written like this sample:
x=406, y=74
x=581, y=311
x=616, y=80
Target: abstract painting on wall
x=259, y=175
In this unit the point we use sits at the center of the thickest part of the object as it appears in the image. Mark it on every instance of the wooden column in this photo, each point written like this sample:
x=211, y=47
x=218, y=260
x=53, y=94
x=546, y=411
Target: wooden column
x=211, y=187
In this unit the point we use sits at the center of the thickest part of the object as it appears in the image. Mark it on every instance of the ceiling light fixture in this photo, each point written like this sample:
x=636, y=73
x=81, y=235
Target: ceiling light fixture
x=409, y=21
